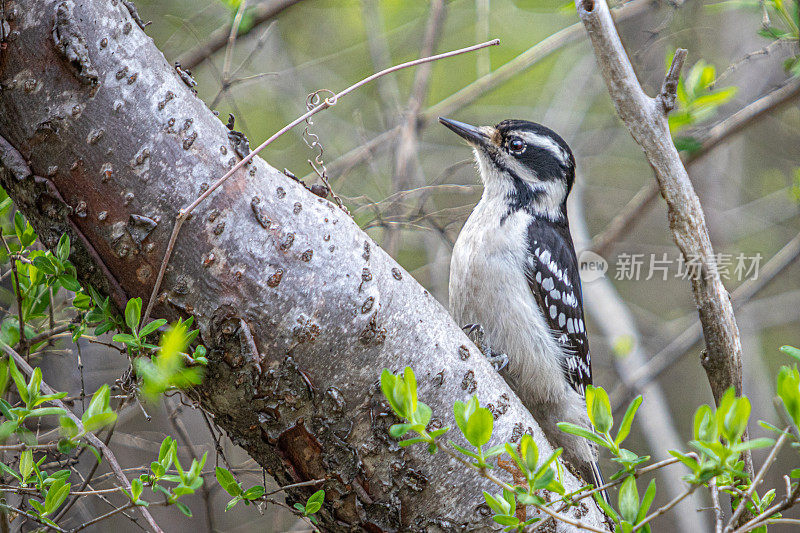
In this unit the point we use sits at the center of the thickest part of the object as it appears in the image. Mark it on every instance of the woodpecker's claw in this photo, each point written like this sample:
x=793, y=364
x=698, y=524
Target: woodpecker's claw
x=469, y=329
x=477, y=335
x=498, y=360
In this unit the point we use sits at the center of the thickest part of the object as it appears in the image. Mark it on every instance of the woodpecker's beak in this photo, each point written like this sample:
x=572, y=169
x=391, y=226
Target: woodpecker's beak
x=472, y=134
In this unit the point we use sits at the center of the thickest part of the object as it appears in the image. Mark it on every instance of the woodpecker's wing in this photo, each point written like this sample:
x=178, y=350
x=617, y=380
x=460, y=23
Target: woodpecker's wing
x=554, y=279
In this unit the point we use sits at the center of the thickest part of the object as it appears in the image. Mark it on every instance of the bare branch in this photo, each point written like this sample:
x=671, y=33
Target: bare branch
x=718, y=514
x=328, y=102
x=647, y=122
x=773, y=454
x=644, y=199
x=263, y=12
x=669, y=89
x=518, y=65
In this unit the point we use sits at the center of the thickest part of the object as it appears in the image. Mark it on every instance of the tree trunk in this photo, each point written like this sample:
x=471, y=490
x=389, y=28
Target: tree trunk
x=100, y=138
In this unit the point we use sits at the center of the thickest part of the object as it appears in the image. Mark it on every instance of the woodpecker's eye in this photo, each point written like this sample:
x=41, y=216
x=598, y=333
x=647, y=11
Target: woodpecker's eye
x=516, y=145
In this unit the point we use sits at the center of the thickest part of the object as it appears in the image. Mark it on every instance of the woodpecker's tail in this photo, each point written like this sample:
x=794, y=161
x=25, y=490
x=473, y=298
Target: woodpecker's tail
x=597, y=478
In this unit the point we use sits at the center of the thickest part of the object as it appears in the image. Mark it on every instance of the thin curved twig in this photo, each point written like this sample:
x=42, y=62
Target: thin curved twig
x=325, y=104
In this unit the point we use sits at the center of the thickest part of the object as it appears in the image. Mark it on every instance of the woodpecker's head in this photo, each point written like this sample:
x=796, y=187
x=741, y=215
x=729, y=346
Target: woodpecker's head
x=524, y=162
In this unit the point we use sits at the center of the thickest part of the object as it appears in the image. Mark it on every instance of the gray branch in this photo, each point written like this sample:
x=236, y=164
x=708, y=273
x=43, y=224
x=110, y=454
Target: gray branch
x=646, y=119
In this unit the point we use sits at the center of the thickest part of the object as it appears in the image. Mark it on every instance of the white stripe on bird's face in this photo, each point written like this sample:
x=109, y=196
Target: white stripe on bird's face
x=544, y=142
x=497, y=183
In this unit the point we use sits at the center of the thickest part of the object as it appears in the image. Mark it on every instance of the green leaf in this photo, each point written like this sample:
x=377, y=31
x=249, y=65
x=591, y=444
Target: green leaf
x=388, y=380
x=529, y=452
x=232, y=503
x=99, y=404
x=411, y=388
x=629, y=500
x=45, y=411
x=10, y=471
x=69, y=282
x=494, y=451
x=136, y=488
x=572, y=429
x=627, y=420
x=422, y=415
x=253, y=493
x=166, y=453
x=182, y=507
x=530, y=499
x=515, y=456
x=498, y=505
x=314, y=502
x=56, y=495
x=5, y=205
x=788, y=389
x=550, y=460
x=26, y=464
x=43, y=263
x=736, y=419
x=687, y=144
x=463, y=450
x=398, y=430
x=49, y=398
x=791, y=351
x=690, y=462
x=505, y=520
x=127, y=338
x=151, y=327
x=409, y=442
x=510, y=498
x=62, y=250
x=753, y=444
x=647, y=501
x=479, y=427
x=133, y=313
x=19, y=225
x=19, y=381
x=157, y=469
x=98, y=421
x=38, y=506
x=598, y=408
x=705, y=428
x=227, y=481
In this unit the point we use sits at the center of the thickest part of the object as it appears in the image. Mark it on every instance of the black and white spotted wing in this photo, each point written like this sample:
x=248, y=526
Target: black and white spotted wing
x=554, y=279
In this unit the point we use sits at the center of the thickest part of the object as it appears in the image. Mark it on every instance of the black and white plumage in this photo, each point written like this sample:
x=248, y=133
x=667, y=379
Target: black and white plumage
x=514, y=272
x=553, y=277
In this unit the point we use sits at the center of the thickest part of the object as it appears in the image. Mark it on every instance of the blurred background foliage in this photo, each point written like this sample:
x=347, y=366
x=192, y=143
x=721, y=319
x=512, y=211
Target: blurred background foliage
x=738, y=51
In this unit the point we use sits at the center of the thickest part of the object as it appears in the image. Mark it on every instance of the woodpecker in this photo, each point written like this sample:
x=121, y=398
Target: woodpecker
x=514, y=277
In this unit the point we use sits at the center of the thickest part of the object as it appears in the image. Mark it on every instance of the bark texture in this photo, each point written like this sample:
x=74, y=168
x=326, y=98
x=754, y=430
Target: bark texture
x=300, y=309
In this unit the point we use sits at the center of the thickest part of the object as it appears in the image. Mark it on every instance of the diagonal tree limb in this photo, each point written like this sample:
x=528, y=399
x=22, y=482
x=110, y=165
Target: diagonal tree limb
x=328, y=309
x=646, y=119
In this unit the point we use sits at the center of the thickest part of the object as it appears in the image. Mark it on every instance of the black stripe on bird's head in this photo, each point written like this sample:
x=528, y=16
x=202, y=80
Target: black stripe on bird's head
x=532, y=158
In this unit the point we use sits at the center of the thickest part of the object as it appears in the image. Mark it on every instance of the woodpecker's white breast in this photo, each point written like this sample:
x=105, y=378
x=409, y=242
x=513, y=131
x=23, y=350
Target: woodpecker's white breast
x=488, y=287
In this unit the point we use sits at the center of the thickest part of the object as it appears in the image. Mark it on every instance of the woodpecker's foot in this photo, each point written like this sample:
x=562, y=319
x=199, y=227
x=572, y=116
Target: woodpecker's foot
x=476, y=334
x=498, y=360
